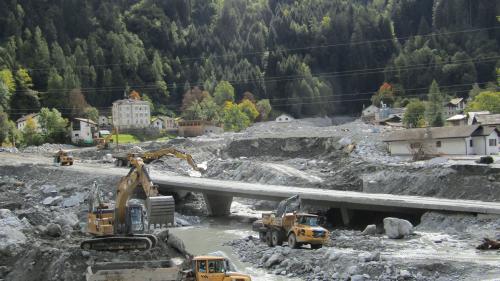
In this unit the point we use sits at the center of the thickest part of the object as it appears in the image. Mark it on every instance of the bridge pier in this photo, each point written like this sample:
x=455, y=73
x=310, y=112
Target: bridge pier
x=346, y=215
x=218, y=205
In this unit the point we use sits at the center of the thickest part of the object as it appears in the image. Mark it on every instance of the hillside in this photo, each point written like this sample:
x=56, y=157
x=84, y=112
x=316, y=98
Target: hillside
x=308, y=57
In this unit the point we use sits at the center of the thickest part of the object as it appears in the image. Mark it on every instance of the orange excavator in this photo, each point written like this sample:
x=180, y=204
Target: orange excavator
x=123, y=227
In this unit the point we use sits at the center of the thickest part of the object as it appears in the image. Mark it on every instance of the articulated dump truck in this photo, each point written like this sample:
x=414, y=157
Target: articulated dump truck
x=204, y=268
x=288, y=225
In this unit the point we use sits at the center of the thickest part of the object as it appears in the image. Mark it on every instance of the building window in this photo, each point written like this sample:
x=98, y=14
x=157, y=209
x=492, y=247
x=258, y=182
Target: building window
x=471, y=143
x=415, y=145
x=438, y=144
x=493, y=142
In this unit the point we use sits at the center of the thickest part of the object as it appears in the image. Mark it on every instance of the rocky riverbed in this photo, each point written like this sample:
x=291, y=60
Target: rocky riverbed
x=435, y=250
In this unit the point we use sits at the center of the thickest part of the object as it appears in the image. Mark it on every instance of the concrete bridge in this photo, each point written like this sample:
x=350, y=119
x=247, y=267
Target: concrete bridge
x=219, y=194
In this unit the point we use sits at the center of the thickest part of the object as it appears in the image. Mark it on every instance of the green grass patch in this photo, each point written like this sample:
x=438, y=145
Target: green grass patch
x=125, y=138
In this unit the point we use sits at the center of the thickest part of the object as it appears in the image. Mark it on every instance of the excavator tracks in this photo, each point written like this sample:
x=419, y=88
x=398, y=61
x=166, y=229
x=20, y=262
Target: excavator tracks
x=120, y=243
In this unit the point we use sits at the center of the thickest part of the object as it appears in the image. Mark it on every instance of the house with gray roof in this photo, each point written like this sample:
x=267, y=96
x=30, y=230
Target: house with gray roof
x=460, y=140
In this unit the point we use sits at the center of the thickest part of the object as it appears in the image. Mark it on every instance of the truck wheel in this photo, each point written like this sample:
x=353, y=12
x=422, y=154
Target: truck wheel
x=119, y=163
x=292, y=241
x=316, y=246
x=276, y=237
x=262, y=236
x=269, y=238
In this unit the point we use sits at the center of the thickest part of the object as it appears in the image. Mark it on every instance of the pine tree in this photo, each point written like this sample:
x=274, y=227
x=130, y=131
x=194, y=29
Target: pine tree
x=434, y=111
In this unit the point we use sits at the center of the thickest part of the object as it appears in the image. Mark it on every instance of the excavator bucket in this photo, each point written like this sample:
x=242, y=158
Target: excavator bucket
x=160, y=211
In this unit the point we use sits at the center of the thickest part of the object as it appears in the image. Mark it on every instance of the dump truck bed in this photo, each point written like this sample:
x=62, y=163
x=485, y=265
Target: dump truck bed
x=164, y=270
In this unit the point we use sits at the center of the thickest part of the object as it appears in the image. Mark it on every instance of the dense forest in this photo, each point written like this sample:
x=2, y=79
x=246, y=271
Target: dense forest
x=308, y=57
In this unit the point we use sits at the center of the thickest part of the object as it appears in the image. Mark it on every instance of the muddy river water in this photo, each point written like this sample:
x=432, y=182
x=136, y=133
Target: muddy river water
x=210, y=236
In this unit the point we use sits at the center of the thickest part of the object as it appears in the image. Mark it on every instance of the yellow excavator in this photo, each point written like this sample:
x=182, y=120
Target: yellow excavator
x=103, y=143
x=123, y=227
x=150, y=156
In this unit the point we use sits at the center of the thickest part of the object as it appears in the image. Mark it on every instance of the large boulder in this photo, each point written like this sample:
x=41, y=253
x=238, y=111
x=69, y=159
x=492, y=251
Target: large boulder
x=176, y=243
x=12, y=239
x=53, y=230
x=275, y=258
x=397, y=228
x=52, y=200
x=370, y=230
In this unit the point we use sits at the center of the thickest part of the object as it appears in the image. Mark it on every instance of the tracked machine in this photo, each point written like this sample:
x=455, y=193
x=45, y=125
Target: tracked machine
x=122, y=227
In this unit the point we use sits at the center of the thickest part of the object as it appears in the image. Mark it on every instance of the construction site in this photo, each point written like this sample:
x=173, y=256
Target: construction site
x=208, y=208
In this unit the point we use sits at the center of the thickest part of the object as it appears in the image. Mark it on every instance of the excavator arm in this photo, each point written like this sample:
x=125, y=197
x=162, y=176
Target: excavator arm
x=160, y=208
x=157, y=154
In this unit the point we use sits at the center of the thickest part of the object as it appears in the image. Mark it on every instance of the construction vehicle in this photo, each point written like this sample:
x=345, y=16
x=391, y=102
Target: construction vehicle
x=64, y=158
x=287, y=224
x=122, y=227
x=103, y=142
x=149, y=156
x=204, y=268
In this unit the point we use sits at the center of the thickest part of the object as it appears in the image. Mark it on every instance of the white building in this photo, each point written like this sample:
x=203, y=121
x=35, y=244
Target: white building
x=21, y=122
x=104, y=121
x=131, y=114
x=157, y=123
x=460, y=140
x=165, y=123
x=83, y=130
x=284, y=118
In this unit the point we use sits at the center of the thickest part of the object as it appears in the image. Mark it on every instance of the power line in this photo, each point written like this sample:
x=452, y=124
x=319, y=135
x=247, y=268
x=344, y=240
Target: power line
x=290, y=77
x=335, y=100
x=289, y=49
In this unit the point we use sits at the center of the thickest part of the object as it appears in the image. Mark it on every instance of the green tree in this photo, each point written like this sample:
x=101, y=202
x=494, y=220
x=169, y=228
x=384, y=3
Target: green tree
x=385, y=94
x=414, y=114
x=30, y=133
x=249, y=109
x=4, y=126
x=91, y=113
x=54, y=126
x=56, y=94
x=264, y=108
x=14, y=135
x=434, y=110
x=474, y=91
x=233, y=118
x=489, y=101
x=8, y=79
x=23, y=79
x=146, y=98
x=224, y=92
x=4, y=97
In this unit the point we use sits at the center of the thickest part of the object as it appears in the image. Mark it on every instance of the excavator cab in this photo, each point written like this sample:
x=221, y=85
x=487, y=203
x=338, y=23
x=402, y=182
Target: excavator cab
x=135, y=219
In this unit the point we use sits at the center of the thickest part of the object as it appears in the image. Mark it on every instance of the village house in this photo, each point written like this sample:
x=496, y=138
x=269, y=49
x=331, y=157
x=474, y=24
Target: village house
x=104, y=121
x=194, y=128
x=487, y=120
x=131, y=114
x=157, y=123
x=83, y=131
x=21, y=122
x=460, y=140
x=368, y=114
x=471, y=116
x=284, y=118
x=166, y=123
x=457, y=120
x=453, y=107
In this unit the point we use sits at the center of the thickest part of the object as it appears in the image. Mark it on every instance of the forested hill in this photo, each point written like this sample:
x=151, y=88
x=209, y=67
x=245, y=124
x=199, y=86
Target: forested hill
x=307, y=56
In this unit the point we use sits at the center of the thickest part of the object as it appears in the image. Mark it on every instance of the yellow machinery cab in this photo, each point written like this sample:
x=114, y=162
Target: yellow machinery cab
x=212, y=268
